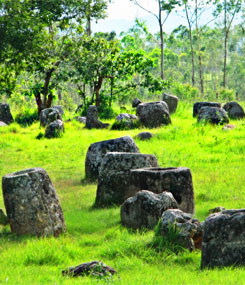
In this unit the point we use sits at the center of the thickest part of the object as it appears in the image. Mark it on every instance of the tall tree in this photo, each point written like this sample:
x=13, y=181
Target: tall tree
x=230, y=9
x=164, y=10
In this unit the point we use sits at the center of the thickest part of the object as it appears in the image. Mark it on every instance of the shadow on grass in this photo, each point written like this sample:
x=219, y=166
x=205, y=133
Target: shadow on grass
x=7, y=236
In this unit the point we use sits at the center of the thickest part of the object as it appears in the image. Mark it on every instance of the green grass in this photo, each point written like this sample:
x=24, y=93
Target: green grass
x=215, y=157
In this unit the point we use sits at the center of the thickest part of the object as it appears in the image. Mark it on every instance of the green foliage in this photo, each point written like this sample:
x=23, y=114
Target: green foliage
x=27, y=117
x=226, y=94
x=184, y=91
x=126, y=125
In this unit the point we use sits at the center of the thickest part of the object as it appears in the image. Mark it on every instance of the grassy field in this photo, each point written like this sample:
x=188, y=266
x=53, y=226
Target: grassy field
x=215, y=157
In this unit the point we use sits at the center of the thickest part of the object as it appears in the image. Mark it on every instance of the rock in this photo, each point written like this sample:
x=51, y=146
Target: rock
x=144, y=136
x=80, y=119
x=49, y=115
x=59, y=108
x=54, y=129
x=177, y=180
x=5, y=114
x=224, y=239
x=92, y=121
x=172, y=102
x=234, y=110
x=216, y=210
x=114, y=176
x=187, y=231
x=213, y=115
x=228, y=127
x=136, y=102
x=153, y=114
x=3, y=218
x=2, y=124
x=198, y=105
x=94, y=268
x=125, y=116
x=32, y=204
x=145, y=209
x=98, y=150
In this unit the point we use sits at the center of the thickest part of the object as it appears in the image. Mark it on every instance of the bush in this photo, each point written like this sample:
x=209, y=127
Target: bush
x=126, y=125
x=184, y=91
x=226, y=94
x=27, y=117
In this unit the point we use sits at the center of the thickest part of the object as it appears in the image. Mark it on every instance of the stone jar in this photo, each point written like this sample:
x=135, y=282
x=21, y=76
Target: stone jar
x=198, y=105
x=32, y=204
x=177, y=180
x=114, y=176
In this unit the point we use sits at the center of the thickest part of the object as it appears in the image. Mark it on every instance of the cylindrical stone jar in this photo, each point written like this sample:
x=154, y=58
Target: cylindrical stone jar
x=32, y=204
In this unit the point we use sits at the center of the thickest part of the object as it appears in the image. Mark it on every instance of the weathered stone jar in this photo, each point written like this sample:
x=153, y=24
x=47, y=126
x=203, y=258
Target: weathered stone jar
x=177, y=180
x=32, y=204
x=114, y=176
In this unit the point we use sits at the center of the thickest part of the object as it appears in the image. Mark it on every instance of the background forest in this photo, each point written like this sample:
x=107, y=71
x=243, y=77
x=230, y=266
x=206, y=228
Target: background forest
x=49, y=54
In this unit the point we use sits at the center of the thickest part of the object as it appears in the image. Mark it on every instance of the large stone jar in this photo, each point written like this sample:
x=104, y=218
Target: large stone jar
x=177, y=180
x=32, y=204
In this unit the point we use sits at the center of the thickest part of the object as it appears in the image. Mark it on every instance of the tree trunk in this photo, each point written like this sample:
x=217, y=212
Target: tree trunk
x=192, y=49
x=161, y=39
x=199, y=51
x=225, y=44
x=97, y=87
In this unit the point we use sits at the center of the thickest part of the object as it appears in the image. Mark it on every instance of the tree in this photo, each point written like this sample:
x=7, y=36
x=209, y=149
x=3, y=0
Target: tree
x=163, y=7
x=230, y=8
x=35, y=35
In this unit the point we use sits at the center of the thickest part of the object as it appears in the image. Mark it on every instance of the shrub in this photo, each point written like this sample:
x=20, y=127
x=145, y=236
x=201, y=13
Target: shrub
x=184, y=91
x=27, y=117
x=227, y=94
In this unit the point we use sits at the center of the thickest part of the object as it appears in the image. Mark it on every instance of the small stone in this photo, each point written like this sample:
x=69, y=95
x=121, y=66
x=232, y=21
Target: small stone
x=216, y=210
x=80, y=119
x=213, y=115
x=198, y=105
x=145, y=209
x=144, y=136
x=2, y=124
x=188, y=231
x=125, y=116
x=94, y=268
x=136, y=102
x=234, y=110
x=172, y=102
x=224, y=239
x=98, y=150
x=54, y=129
x=59, y=108
x=32, y=204
x=228, y=127
x=5, y=114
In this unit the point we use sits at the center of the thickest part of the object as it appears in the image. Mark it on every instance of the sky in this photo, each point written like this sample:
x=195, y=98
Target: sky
x=122, y=15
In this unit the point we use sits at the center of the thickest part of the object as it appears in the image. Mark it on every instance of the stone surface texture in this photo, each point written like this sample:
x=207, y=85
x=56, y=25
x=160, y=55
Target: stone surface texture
x=144, y=136
x=94, y=268
x=125, y=116
x=177, y=180
x=92, y=121
x=32, y=204
x=234, y=110
x=59, y=108
x=49, y=115
x=213, y=115
x=136, y=102
x=198, y=105
x=189, y=231
x=216, y=210
x=2, y=124
x=114, y=176
x=172, y=102
x=98, y=150
x=5, y=114
x=153, y=114
x=145, y=209
x=224, y=239
x=54, y=129
x=80, y=119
